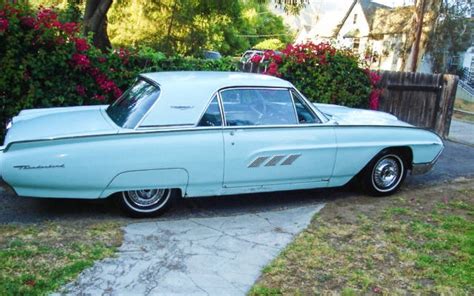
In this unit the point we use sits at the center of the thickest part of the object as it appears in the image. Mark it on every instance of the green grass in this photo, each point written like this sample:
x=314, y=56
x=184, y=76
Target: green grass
x=417, y=242
x=38, y=259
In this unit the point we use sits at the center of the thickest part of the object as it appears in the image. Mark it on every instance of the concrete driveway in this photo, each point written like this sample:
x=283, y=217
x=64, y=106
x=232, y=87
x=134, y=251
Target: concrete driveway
x=197, y=256
x=462, y=132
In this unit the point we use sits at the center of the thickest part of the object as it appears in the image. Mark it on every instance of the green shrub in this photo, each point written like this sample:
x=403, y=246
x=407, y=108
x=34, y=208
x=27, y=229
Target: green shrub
x=322, y=73
x=45, y=63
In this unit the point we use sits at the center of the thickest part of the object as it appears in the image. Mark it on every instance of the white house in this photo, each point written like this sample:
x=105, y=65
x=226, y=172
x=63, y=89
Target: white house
x=378, y=33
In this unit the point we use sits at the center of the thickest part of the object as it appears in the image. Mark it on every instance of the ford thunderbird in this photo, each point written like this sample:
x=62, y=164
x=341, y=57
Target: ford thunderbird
x=191, y=134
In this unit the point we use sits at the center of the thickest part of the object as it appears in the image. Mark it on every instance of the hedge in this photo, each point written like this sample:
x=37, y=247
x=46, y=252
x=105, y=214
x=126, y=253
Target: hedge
x=46, y=63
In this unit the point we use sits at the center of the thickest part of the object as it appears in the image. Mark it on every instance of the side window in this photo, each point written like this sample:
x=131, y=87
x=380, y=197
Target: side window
x=305, y=115
x=249, y=107
x=212, y=117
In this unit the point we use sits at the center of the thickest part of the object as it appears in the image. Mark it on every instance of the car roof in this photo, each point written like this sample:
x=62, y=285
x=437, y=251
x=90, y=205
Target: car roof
x=185, y=94
x=215, y=80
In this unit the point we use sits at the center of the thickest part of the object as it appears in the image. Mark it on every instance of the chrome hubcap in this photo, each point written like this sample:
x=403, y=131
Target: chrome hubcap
x=386, y=173
x=147, y=198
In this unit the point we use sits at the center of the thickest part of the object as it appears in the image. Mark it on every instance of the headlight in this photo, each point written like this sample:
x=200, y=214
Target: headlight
x=9, y=124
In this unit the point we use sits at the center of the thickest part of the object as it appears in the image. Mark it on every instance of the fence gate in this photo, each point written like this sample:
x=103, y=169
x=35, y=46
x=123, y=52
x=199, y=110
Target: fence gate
x=424, y=100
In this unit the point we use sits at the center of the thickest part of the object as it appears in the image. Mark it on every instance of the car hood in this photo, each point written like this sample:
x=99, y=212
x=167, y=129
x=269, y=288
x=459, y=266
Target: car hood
x=59, y=122
x=352, y=116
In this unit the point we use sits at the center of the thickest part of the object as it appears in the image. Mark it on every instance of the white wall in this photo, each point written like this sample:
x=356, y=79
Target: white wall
x=361, y=24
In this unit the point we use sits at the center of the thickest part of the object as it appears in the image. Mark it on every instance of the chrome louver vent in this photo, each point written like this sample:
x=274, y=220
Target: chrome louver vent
x=291, y=159
x=270, y=161
x=275, y=160
x=257, y=162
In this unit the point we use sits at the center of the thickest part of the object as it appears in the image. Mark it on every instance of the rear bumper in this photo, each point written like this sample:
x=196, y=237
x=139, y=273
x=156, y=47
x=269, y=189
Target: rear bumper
x=423, y=168
x=6, y=186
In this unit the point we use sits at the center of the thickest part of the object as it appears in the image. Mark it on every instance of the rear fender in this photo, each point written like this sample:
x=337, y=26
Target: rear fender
x=148, y=179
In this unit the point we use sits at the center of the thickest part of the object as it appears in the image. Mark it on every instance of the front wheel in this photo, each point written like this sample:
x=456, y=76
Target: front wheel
x=146, y=203
x=385, y=174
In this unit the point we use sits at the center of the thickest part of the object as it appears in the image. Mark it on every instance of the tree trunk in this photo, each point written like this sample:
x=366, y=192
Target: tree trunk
x=95, y=21
x=426, y=15
x=420, y=15
x=170, y=26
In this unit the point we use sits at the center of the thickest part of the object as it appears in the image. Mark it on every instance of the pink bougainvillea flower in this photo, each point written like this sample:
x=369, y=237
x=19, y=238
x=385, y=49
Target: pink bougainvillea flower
x=27, y=22
x=272, y=70
x=117, y=92
x=70, y=28
x=102, y=60
x=99, y=97
x=256, y=59
x=268, y=54
x=60, y=41
x=80, y=61
x=374, y=99
x=277, y=59
x=81, y=90
x=3, y=25
x=81, y=44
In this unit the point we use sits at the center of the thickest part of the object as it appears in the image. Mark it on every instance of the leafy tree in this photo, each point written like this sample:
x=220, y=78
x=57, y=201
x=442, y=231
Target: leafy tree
x=452, y=34
x=189, y=26
x=272, y=44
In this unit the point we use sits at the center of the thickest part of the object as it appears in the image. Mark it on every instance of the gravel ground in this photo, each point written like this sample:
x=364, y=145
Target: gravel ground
x=457, y=161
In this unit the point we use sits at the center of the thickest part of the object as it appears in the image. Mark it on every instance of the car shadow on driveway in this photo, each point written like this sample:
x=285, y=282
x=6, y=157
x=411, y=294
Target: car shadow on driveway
x=32, y=210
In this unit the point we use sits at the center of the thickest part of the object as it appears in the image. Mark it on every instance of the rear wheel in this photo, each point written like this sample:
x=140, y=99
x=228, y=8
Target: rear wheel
x=385, y=174
x=146, y=203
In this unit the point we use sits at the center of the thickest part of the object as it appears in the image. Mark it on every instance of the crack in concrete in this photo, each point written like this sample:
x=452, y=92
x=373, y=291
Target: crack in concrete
x=233, y=236
x=215, y=256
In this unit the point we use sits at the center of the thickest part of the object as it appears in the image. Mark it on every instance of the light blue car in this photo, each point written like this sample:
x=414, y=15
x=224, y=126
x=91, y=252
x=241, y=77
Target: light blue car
x=191, y=134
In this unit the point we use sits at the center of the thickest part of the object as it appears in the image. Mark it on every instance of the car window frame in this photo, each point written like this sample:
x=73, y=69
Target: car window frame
x=256, y=88
x=221, y=111
x=303, y=101
x=289, y=90
x=138, y=124
x=322, y=118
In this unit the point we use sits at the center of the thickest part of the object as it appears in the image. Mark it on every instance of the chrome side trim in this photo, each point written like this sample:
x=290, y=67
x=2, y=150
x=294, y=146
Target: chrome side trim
x=423, y=168
x=187, y=129
x=166, y=126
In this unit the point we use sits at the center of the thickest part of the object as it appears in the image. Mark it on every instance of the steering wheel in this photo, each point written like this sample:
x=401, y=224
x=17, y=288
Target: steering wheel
x=258, y=105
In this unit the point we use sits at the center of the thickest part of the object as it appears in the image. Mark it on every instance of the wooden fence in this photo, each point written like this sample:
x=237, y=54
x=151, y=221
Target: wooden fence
x=424, y=100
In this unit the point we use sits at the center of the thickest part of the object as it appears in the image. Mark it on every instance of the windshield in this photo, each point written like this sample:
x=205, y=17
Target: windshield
x=130, y=108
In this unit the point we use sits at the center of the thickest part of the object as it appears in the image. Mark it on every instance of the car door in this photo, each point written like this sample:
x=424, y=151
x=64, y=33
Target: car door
x=270, y=140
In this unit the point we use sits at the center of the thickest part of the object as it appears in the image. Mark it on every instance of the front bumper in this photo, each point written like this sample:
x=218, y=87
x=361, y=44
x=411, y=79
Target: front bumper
x=423, y=168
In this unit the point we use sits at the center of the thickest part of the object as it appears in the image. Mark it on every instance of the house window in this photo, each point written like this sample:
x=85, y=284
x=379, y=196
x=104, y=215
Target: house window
x=356, y=44
x=355, y=18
